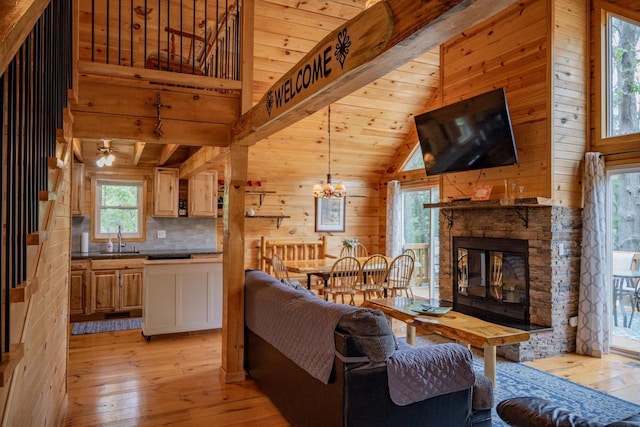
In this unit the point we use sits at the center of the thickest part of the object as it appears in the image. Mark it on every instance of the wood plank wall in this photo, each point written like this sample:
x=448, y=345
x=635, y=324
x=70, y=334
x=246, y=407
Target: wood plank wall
x=39, y=393
x=511, y=51
x=569, y=107
x=293, y=197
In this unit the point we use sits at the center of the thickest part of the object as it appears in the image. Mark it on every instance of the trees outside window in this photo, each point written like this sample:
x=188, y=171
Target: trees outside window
x=622, y=76
x=119, y=203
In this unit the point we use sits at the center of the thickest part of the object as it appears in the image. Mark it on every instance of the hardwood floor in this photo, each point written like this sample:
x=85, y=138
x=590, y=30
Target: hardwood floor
x=120, y=379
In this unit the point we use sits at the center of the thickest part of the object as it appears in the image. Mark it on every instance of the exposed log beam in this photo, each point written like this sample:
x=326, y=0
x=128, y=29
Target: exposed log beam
x=382, y=38
x=89, y=125
x=77, y=149
x=204, y=159
x=138, y=148
x=166, y=153
x=17, y=18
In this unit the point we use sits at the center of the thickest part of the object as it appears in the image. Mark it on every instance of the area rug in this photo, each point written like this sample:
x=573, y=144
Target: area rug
x=515, y=379
x=106, y=326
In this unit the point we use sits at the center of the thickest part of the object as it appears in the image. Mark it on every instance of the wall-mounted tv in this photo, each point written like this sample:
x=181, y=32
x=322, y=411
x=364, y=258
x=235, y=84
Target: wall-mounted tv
x=471, y=134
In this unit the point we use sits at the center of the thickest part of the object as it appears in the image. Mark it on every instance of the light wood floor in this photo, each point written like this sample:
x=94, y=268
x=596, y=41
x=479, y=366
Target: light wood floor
x=119, y=379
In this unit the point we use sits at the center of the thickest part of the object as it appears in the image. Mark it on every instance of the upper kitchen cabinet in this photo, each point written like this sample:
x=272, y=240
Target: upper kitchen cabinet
x=77, y=189
x=165, y=192
x=203, y=194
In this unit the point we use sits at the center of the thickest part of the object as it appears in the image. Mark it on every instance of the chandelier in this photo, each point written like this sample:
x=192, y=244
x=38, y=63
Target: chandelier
x=106, y=154
x=328, y=190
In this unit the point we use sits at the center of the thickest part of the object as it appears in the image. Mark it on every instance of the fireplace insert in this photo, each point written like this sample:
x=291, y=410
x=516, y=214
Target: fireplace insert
x=491, y=279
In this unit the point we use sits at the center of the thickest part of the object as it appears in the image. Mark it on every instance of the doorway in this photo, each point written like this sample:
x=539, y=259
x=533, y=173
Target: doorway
x=420, y=231
x=623, y=223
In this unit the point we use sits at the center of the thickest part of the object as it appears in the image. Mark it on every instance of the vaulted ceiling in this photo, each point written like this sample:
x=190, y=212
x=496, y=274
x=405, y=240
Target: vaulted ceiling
x=367, y=126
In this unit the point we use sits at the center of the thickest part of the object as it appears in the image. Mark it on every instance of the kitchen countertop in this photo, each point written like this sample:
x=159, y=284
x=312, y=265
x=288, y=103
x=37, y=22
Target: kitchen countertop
x=155, y=254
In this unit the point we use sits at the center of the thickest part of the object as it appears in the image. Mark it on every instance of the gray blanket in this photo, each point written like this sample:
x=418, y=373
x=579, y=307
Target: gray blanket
x=420, y=373
x=299, y=325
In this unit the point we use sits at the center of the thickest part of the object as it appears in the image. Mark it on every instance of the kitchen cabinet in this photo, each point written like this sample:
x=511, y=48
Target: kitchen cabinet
x=203, y=194
x=116, y=285
x=165, y=192
x=78, y=288
x=77, y=189
x=181, y=296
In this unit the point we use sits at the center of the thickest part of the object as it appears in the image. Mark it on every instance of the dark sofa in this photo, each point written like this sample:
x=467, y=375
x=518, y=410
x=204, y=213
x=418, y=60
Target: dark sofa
x=538, y=412
x=357, y=391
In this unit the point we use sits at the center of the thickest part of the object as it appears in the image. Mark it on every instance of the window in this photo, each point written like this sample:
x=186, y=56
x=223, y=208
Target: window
x=119, y=202
x=622, y=79
x=415, y=160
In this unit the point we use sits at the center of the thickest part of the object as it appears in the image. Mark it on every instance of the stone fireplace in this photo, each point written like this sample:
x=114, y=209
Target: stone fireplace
x=549, y=236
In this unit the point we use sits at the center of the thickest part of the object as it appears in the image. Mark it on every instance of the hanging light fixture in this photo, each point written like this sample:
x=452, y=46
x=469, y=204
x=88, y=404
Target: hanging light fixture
x=328, y=190
x=106, y=154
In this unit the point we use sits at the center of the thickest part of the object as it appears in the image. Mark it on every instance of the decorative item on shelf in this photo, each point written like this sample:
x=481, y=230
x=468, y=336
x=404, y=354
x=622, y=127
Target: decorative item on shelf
x=482, y=192
x=506, y=200
x=182, y=207
x=328, y=190
x=251, y=212
x=106, y=154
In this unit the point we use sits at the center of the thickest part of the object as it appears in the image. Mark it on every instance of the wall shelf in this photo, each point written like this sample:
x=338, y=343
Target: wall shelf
x=261, y=193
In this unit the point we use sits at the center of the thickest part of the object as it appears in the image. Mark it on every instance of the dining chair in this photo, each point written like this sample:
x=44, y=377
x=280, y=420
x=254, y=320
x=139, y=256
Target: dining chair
x=399, y=276
x=358, y=251
x=417, y=279
x=373, y=273
x=279, y=268
x=343, y=278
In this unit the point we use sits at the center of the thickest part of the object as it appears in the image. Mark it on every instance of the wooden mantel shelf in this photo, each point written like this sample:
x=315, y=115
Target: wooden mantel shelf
x=520, y=205
x=493, y=204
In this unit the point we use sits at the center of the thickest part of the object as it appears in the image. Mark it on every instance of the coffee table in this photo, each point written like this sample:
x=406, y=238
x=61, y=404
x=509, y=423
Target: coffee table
x=461, y=327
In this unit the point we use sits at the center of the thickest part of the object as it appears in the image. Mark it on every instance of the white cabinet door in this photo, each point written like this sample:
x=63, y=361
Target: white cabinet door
x=182, y=297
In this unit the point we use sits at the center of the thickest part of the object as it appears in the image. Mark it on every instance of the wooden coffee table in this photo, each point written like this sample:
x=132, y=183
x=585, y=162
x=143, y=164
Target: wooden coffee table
x=461, y=327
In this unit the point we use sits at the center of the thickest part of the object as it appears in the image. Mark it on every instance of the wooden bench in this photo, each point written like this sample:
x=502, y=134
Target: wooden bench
x=290, y=250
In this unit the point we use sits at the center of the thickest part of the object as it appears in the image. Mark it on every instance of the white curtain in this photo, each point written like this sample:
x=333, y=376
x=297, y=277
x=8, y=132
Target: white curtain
x=394, y=219
x=594, y=303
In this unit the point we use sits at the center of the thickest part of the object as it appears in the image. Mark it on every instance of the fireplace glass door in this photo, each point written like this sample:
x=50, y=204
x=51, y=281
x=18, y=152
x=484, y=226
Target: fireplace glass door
x=491, y=279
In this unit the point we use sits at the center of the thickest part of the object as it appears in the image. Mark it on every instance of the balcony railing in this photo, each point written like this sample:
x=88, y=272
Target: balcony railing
x=182, y=36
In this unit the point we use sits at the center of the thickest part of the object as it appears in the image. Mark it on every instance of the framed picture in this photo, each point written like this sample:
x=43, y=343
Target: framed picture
x=330, y=214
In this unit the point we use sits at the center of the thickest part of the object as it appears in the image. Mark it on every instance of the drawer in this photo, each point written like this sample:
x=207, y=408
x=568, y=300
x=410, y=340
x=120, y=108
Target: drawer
x=116, y=264
x=79, y=264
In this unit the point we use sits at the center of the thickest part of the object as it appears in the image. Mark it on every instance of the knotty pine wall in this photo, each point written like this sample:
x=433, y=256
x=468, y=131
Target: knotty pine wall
x=536, y=49
x=293, y=197
x=37, y=394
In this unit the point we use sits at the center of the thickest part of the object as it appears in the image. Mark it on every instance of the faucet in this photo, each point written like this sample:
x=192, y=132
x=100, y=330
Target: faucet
x=120, y=244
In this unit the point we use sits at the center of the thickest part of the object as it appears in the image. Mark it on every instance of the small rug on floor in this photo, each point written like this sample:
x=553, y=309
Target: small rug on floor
x=106, y=326
x=515, y=379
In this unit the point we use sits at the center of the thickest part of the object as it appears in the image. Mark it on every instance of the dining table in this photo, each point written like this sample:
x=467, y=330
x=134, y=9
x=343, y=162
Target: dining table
x=625, y=282
x=320, y=267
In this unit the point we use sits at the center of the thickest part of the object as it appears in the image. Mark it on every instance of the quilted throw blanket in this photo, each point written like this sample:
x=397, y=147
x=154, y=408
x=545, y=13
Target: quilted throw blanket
x=420, y=373
x=301, y=326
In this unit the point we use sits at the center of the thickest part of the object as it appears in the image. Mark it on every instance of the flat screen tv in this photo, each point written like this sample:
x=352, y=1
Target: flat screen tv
x=467, y=135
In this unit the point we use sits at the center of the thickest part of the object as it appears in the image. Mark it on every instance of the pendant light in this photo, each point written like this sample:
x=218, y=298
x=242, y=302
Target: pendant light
x=328, y=190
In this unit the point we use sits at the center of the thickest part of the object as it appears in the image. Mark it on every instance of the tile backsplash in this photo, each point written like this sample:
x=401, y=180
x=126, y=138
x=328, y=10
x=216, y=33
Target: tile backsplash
x=181, y=233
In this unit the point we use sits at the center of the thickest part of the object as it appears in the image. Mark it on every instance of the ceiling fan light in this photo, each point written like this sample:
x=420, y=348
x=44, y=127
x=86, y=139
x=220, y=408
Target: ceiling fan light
x=100, y=162
x=110, y=159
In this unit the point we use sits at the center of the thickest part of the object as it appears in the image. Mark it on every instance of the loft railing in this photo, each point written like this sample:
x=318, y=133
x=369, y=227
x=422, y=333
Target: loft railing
x=33, y=92
x=184, y=36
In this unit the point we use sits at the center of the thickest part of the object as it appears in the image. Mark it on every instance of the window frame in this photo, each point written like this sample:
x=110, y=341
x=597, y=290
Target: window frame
x=96, y=182
x=600, y=141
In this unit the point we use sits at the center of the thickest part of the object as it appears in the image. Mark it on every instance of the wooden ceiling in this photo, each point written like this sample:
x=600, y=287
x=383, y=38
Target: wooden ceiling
x=368, y=126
